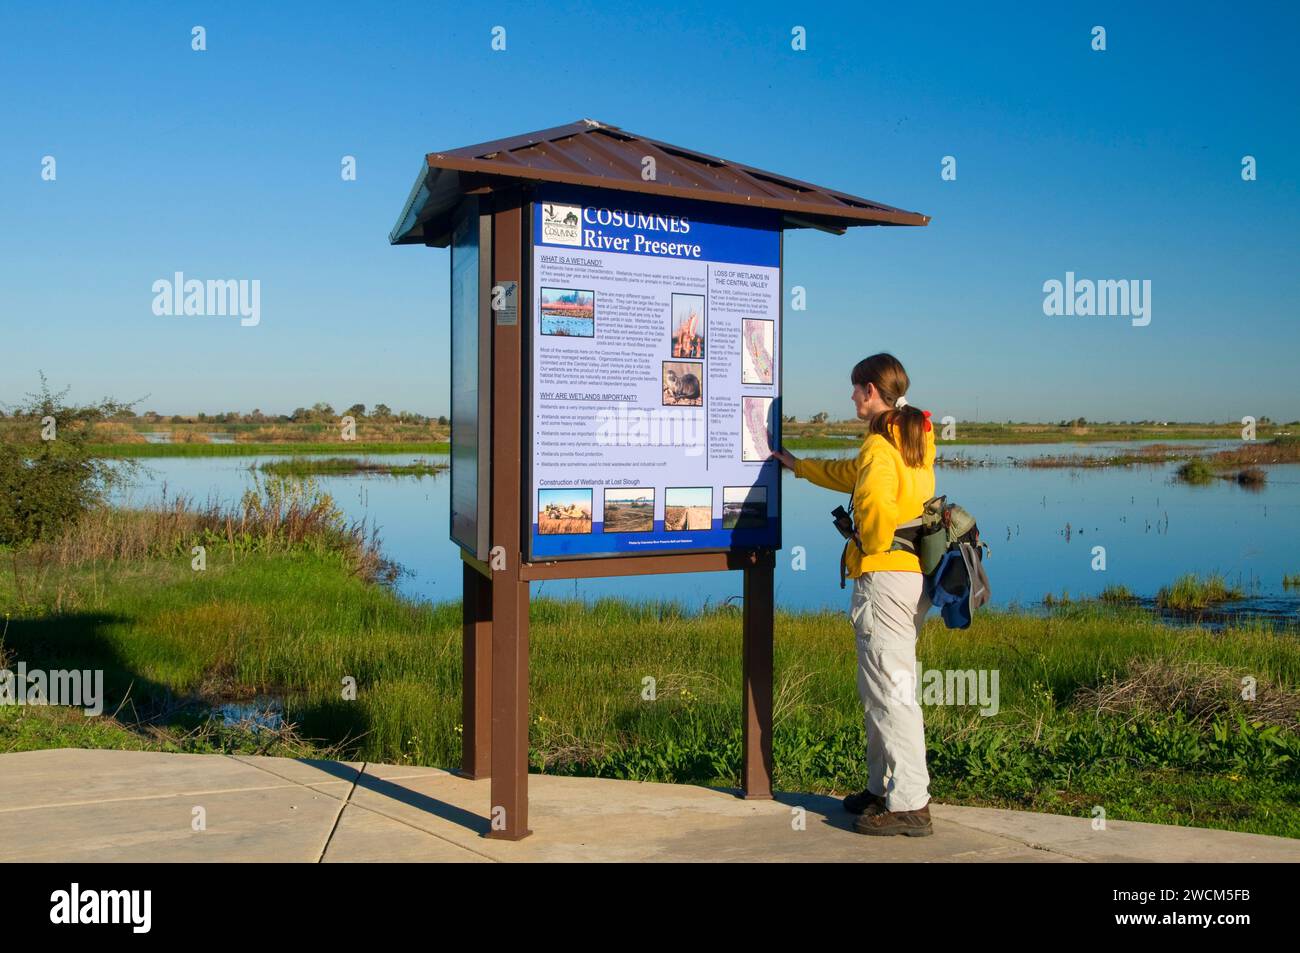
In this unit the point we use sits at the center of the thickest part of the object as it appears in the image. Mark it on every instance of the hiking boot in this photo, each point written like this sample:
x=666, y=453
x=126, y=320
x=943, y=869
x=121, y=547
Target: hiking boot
x=911, y=823
x=864, y=802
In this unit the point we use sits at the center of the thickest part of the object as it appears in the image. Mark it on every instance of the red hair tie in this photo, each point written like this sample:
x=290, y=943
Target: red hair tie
x=927, y=420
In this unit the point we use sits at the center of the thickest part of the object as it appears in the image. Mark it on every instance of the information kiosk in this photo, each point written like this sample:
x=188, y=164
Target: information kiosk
x=616, y=327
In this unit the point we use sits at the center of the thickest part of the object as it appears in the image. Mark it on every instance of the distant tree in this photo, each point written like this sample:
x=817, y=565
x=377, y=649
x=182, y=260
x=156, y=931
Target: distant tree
x=382, y=412
x=356, y=410
x=442, y=420
x=300, y=414
x=322, y=411
x=820, y=417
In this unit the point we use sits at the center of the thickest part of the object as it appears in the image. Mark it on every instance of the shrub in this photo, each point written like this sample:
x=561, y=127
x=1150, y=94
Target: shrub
x=48, y=483
x=1195, y=471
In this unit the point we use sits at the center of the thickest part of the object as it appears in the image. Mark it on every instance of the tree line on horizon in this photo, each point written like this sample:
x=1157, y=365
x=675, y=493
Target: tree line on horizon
x=320, y=412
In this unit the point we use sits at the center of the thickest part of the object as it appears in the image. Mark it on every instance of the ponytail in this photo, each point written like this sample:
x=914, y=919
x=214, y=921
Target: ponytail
x=911, y=431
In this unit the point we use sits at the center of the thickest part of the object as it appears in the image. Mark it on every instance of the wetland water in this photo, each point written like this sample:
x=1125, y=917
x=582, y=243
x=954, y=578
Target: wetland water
x=1041, y=525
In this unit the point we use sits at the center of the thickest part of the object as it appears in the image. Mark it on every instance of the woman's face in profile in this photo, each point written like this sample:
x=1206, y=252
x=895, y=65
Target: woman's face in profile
x=861, y=397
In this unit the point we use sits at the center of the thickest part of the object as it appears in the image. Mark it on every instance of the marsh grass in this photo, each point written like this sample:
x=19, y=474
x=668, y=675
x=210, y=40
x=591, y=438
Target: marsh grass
x=1192, y=593
x=1118, y=595
x=276, y=515
x=1196, y=472
x=350, y=466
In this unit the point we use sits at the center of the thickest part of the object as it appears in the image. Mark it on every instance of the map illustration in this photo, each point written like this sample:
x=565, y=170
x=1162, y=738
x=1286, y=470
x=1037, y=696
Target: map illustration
x=756, y=353
x=755, y=441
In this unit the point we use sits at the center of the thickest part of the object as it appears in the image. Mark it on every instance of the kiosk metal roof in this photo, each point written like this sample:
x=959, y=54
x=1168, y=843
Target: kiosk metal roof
x=594, y=154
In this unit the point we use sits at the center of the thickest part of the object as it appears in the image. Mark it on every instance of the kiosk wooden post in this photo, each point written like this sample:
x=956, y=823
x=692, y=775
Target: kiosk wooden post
x=503, y=179
x=509, y=807
x=756, y=673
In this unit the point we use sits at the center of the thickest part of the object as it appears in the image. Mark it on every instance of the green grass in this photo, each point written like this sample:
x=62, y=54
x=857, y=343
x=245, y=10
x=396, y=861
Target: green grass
x=349, y=466
x=1191, y=593
x=1082, y=718
x=132, y=450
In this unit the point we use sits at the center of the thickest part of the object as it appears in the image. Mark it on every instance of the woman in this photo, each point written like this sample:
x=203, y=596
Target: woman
x=891, y=478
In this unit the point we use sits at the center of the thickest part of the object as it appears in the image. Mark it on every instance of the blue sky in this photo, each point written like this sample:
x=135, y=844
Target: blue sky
x=225, y=163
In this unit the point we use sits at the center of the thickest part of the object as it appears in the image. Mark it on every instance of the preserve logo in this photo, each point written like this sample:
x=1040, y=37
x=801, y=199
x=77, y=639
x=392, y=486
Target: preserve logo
x=562, y=224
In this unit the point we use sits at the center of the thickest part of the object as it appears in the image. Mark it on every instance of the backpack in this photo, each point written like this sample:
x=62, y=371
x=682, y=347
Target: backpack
x=946, y=540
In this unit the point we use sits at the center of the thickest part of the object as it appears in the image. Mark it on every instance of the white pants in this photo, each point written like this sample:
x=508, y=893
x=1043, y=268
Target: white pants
x=887, y=611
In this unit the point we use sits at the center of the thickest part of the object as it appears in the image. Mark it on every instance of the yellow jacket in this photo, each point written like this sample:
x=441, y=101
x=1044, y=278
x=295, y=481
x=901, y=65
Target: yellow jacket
x=886, y=493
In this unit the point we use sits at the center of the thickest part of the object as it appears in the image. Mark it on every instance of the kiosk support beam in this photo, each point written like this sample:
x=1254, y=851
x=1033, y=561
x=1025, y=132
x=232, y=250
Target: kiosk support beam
x=476, y=673
x=756, y=664
x=509, y=759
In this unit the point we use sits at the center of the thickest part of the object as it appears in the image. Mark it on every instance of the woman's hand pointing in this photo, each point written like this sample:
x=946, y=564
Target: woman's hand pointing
x=786, y=458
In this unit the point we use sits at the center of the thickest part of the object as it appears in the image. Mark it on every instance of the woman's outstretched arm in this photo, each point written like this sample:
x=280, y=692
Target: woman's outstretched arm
x=839, y=475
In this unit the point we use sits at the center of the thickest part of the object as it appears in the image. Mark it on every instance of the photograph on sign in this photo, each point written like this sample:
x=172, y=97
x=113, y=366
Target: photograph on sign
x=568, y=312
x=564, y=511
x=688, y=507
x=629, y=511
x=655, y=375
x=744, y=506
x=682, y=384
x=688, y=325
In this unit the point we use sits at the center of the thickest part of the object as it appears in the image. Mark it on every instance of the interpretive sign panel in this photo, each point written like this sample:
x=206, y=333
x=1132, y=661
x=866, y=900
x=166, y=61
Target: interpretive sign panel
x=656, y=377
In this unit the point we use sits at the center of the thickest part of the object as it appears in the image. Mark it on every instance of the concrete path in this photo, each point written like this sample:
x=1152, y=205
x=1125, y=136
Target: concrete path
x=75, y=805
